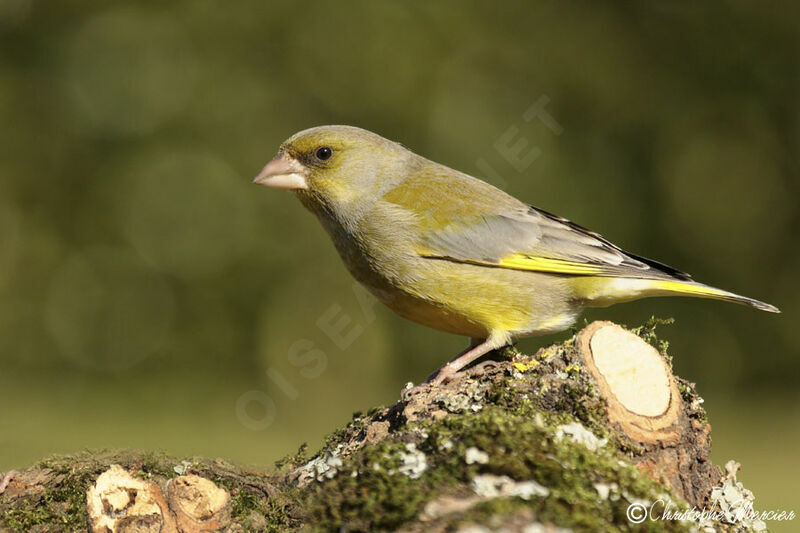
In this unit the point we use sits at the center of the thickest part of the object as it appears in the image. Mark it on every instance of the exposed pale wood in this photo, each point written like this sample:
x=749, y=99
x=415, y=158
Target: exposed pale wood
x=635, y=380
x=617, y=393
x=119, y=502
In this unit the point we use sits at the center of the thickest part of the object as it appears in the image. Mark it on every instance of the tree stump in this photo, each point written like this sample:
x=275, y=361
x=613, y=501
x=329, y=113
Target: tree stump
x=570, y=437
x=645, y=406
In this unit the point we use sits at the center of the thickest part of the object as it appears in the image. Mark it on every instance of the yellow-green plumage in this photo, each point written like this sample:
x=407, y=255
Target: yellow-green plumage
x=454, y=253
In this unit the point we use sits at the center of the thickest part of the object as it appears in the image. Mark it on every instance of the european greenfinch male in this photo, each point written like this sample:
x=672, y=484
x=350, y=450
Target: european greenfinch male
x=454, y=253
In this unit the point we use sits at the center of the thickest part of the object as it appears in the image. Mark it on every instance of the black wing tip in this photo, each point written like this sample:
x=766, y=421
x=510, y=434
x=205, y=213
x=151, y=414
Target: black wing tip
x=666, y=270
x=661, y=267
x=655, y=265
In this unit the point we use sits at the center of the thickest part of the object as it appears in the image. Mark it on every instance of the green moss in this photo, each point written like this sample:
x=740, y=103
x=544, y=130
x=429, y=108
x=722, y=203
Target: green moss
x=516, y=425
x=276, y=511
x=647, y=332
x=377, y=498
x=369, y=493
x=273, y=511
x=293, y=460
x=356, y=424
x=569, y=393
x=24, y=518
x=243, y=502
x=508, y=352
x=63, y=506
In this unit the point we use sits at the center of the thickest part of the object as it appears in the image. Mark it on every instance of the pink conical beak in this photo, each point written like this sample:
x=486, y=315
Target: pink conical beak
x=283, y=172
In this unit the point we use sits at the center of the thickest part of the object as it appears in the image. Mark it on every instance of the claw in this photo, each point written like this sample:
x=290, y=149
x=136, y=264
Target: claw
x=410, y=391
x=482, y=368
x=450, y=370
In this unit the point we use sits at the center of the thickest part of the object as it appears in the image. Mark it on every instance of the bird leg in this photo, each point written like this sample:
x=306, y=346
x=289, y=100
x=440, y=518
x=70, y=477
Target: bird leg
x=472, y=344
x=477, y=348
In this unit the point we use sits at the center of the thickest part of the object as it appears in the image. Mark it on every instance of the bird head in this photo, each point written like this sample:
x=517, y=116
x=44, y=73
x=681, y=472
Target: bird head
x=335, y=165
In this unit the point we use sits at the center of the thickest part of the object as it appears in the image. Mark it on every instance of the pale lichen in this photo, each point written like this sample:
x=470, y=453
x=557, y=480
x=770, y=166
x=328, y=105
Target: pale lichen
x=413, y=462
x=581, y=435
x=475, y=456
x=491, y=486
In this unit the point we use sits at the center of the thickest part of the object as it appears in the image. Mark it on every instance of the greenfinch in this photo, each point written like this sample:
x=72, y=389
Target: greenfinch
x=452, y=252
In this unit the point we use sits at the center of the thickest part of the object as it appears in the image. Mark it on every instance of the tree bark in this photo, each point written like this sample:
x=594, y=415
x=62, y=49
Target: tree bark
x=571, y=437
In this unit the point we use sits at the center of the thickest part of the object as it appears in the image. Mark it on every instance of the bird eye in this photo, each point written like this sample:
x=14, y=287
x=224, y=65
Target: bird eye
x=324, y=153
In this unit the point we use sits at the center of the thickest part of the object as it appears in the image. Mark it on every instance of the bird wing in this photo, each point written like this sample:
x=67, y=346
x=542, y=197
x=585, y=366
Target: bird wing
x=535, y=240
x=466, y=220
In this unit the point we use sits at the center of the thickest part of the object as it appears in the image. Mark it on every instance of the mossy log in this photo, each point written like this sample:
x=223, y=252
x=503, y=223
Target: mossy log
x=568, y=438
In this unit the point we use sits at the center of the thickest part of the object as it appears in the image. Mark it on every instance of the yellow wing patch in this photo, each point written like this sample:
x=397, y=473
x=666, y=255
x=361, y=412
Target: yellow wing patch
x=545, y=264
x=688, y=288
x=527, y=262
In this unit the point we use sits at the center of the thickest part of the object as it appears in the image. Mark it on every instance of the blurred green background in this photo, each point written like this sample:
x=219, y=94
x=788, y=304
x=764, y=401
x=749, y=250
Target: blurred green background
x=151, y=297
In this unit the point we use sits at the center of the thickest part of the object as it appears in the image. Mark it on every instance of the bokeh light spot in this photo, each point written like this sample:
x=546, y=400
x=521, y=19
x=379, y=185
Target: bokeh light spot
x=107, y=310
x=725, y=195
x=128, y=70
x=314, y=334
x=188, y=214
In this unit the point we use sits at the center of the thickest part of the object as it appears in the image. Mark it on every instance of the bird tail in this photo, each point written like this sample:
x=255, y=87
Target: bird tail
x=606, y=291
x=692, y=288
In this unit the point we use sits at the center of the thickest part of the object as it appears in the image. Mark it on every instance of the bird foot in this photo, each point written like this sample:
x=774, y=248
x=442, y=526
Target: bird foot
x=6, y=479
x=434, y=380
x=452, y=369
x=481, y=368
x=445, y=375
x=410, y=391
